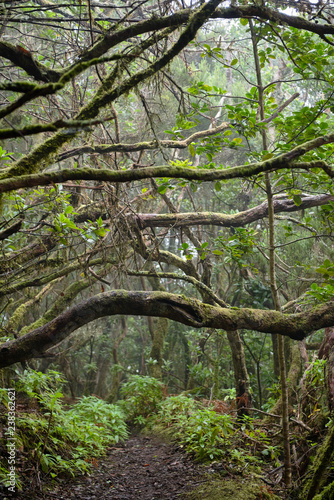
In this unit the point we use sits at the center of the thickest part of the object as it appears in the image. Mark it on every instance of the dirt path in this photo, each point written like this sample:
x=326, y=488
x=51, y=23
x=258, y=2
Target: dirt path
x=143, y=468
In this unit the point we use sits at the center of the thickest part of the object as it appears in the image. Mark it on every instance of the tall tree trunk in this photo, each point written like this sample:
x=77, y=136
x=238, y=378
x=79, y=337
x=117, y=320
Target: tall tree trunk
x=325, y=454
x=274, y=342
x=241, y=376
x=112, y=397
x=158, y=334
x=293, y=379
x=272, y=272
x=326, y=351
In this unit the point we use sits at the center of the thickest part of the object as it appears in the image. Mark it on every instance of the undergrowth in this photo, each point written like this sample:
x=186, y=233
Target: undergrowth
x=205, y=434
x=53, y=439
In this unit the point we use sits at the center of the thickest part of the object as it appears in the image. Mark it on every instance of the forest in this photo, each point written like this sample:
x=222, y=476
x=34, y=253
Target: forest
x=167, y=247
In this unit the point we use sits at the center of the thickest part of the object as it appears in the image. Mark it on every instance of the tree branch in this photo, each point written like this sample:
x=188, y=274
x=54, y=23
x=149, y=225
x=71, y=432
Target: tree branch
x=23, y=59
x=142, y=146
x=173, y=172
x=229, y=220
x=179, y=308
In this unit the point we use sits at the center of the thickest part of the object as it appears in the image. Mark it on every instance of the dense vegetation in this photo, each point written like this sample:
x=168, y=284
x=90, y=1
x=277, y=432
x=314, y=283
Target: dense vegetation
x=167, y=211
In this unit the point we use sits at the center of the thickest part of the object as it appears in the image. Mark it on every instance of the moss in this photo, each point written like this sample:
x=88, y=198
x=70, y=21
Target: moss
x=36, y=324
x=318, y=472
x=65, y=300
x=327, y=493
x=234, y=489
x=17, y=316
x=167, y=435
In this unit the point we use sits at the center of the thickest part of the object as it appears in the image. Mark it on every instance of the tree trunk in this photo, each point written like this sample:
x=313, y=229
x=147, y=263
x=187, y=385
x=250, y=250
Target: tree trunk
x=326, y=351
x=112, y=397
x=158, y=334
x=318, y=470
x=241, y=377
x=293, y=378
x=275, y=354
x=272, y=273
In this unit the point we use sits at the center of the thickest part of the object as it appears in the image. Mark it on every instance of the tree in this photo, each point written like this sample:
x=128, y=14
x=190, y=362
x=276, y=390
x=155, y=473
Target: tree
x=111, y=60
x=161, y=166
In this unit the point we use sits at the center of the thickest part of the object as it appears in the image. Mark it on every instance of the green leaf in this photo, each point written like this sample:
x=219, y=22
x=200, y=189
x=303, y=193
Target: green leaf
x=243, y=21
x=234, y=62
x=237, y=140
x=218, y=252
x=297, y=200
x=69, y=209
x=192, y=150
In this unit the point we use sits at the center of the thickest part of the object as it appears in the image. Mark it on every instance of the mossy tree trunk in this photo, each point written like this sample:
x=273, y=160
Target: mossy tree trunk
x=241, y=377
x=326, y=351
x=117, y=373
x=293, y=378
x=322, y=462
x=158, y=334
x=272, y=274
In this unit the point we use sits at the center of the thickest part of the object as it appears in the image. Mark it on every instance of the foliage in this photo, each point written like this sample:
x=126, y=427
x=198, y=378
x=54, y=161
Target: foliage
x=58, y=440
x=35, y=383
x=202, y=432
x=88, y=207
x=141, y=396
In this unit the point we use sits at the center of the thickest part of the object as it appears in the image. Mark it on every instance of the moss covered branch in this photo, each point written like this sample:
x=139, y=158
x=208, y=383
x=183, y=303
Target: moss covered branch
x=200, y=174
x=179, y=308
x=142, y=146
x=229, y=220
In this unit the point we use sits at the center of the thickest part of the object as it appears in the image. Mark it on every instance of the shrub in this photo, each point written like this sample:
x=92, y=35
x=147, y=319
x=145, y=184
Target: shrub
x=141, y=397
x=202, y=431
x=56, y=440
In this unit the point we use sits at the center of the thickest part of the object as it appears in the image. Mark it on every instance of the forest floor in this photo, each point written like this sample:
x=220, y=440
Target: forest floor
x=148, y=468
x=142, y=468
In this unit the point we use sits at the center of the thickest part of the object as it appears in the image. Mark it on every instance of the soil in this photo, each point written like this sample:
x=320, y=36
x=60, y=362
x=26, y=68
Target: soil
x=142, y=468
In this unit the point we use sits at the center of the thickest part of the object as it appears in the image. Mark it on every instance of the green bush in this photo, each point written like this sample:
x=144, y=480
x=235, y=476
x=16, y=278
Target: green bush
x=203, y=432
x=142, y=396
x=57, y=440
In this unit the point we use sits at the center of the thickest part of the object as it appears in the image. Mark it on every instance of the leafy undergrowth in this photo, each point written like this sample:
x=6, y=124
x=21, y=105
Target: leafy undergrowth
x=247, y=449
x=197, y=426
x=52, y=440
x=241, y=448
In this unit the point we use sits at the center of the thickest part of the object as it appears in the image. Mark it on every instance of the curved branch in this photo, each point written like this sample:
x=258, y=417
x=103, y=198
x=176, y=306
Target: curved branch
x=141, y=146
x=179, y=308
x=198, y=284
x=50, y=127
x=14, y=228
x=23, y=59
x=154, y=23
x=229, y=220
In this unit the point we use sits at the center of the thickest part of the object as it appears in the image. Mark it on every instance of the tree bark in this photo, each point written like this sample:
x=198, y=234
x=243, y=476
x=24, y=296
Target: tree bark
x=326, y=351
x=229, y=220
x=272, y=274
x=179, y=308
x=318, y=471
x=241, y=377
